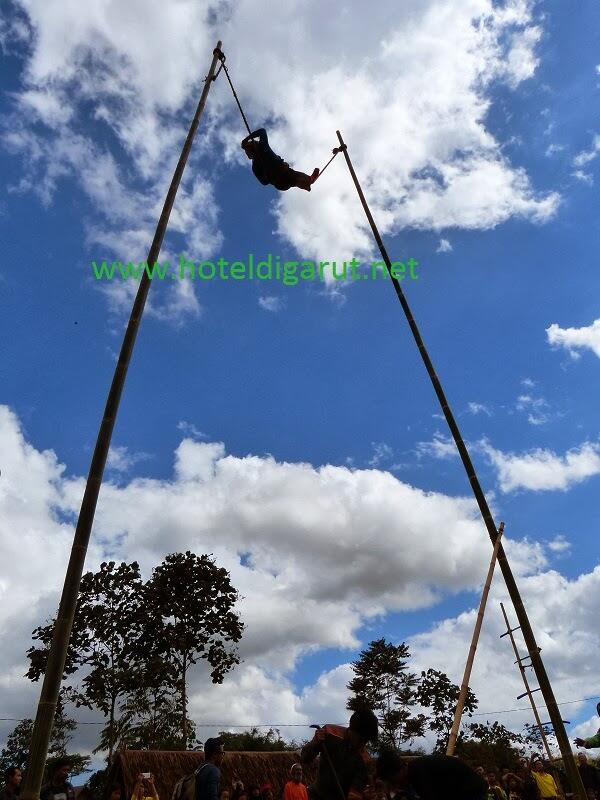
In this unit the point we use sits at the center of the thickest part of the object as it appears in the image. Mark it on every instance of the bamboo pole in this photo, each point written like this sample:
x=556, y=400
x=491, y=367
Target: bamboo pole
x=464, y=687
x=511, y=585
x=42, y=728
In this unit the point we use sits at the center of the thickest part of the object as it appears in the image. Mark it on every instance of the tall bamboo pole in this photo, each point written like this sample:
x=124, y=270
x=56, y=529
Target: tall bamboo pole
x=464, y=687
x=511, y=585
x=42, y=728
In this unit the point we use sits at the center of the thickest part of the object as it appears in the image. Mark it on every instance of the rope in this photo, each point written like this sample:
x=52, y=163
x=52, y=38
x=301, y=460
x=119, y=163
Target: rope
x=221, y=56
x=335, y=151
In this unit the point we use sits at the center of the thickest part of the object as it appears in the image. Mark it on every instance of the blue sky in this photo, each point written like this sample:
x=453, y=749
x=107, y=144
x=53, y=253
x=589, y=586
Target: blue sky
x=330, y=377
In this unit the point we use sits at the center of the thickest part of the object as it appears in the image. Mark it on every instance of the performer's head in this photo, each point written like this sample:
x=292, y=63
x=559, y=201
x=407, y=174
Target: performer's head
x=250, y=148
x=363, y=726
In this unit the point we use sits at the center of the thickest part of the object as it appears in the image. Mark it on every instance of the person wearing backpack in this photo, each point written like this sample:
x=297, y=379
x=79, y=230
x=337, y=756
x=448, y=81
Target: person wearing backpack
x=209, y=774
x=203, y=784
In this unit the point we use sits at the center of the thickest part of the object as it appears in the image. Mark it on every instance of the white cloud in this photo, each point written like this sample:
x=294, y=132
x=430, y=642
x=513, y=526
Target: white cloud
x=441, y=446
x=189, y=429
x=554, y=148
x=573, y=339
x=584, y=177
x=271, y=303
x=121, y=459
x=381, y=452
x=479, y=408
x=528, y=383
x=585, y=156
x=444, y=246
x=559, y=544
x=543, y=470
x=428, y=67
x=536, y=408
x=318, y=544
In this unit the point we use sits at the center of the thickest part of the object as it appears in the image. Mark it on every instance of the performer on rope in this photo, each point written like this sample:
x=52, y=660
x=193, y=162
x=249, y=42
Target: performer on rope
x=343, y=758
x=270, y=168
x=592, y=741
x=430, y=777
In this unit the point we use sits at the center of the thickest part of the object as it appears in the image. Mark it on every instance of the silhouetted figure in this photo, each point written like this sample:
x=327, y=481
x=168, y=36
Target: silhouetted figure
x=270, y=168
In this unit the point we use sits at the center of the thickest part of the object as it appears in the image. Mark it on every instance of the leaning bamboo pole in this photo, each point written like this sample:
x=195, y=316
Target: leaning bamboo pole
x=511, y=585
x=42, y=728
x=464, y=687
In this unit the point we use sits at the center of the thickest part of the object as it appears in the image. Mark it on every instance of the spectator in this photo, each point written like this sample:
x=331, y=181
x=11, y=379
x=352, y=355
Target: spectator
x=512, y=786
x=115, y=792
x=208, y=776
x=592, y=741
x=12, y=784
x=253, y=792
x=144, y=788
x=239, y=794
x=224, y=794
x=295, y=789
x=266, y=792
x=495, y=791
x=59, y=788
x=346, y=759
x=528, y=787
x=589, y=776
x=433, y=777
x=545, y=782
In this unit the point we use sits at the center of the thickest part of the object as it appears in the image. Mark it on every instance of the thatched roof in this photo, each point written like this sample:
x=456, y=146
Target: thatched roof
x=168, y=767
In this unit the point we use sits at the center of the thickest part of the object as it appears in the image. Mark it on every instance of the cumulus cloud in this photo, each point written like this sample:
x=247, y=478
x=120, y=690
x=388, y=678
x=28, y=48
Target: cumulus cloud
x=574, y=339
x=441, y=446
x=543, y=470
x=121, y=459
x=585, y=156
x=428, y=68
x=536, y=408
x=479, y=408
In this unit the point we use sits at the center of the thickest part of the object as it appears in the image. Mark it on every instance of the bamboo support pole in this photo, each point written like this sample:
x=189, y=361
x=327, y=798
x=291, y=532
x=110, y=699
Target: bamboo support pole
x=511, y=585
x=42, y=728
x=464, y=687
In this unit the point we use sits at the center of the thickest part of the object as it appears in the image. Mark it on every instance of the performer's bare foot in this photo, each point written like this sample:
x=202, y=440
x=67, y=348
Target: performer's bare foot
x=315, y=175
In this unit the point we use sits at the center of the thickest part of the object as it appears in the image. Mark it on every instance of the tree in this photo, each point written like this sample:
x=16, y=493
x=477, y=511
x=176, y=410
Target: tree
x=253, y=740
x=194, y=602
x=107, y=632
x=436, y=692
x=16, y=750
x=491, y=746
x=383, y=683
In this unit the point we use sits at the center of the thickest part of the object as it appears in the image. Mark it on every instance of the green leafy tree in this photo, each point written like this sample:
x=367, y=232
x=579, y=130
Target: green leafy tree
x=106, y=634
x=194, y=602
x=254, y=740
x=383, y=683
x=491, y=746
x=16, y=749
x=438, y=694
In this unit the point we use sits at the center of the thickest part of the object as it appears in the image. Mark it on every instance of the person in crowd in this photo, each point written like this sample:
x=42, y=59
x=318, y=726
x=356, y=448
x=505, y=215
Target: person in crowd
x=266, y=792
x=344, y=758
x=239, y=794
x=295, y=788
x=12, y=783
x=495, y=790
x=545, y=781
x=434, y=777
x=269, y=168
x=58, y=787
x=144, y=788
x=115, y=792
x=512, y=786
x=208, y=777
x=224, y=794
x=591, y=741
x=528, y=787
x=253, y=792
x=589, y=776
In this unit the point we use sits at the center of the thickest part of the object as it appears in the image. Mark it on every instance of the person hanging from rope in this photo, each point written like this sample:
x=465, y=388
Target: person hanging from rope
x=270, y=168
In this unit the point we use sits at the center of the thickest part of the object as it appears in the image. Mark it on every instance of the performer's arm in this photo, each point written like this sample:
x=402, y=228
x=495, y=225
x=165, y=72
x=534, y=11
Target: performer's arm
x=259, y=134
x=312, y=749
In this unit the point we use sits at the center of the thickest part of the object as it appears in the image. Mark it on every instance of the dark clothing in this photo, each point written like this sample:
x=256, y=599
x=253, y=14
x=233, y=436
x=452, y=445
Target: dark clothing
x=350, y=766
x=436, y=777
x=62, y=792
x=589, y=776
x=269, y=168
x=207, y=782
x=7, y=793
